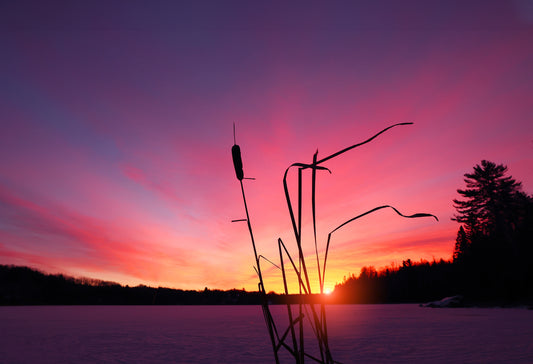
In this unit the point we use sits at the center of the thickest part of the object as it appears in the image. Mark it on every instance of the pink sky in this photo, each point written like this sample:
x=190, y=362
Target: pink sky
x=115, y=158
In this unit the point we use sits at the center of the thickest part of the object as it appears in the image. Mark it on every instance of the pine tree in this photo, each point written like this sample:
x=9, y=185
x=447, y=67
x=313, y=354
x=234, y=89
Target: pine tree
x=491, y=196
x=461, y=245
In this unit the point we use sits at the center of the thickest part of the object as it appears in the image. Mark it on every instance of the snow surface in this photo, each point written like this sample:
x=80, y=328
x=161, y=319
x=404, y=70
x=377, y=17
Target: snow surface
x=237, y=334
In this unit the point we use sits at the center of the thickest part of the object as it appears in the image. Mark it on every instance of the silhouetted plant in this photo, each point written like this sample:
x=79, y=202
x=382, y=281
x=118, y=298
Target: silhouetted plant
x=315, y=318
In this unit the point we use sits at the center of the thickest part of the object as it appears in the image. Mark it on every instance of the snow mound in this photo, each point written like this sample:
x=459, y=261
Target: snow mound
x=453, y=301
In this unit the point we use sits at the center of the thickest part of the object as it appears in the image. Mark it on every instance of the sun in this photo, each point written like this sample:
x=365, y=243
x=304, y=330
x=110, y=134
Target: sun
x=328, y=291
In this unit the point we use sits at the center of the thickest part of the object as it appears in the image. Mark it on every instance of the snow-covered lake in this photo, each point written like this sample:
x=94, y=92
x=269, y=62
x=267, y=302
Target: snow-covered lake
x=237, y=334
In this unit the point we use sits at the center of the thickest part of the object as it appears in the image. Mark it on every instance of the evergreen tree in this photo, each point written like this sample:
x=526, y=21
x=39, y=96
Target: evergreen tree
x=491, y=198
x=461, y=245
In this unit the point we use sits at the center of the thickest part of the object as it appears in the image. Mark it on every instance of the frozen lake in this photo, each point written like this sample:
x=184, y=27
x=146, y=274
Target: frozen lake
x=237, y=334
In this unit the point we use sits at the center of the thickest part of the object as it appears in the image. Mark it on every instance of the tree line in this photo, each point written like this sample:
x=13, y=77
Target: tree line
x=492, y=257
x=27, y=286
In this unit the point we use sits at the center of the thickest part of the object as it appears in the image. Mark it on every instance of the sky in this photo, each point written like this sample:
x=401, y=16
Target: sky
x=117, y=126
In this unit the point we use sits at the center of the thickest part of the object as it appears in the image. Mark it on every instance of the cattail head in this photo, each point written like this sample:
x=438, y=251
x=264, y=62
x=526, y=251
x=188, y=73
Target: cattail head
x=237, y=161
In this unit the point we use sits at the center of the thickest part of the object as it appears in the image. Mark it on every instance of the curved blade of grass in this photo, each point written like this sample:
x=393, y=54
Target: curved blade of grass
x=313, y=208
x=300, y=280
x=359, y=144
x=268, y=260
x=288, y=197
x=364, y=214
x=289, y=309
x=383, y=207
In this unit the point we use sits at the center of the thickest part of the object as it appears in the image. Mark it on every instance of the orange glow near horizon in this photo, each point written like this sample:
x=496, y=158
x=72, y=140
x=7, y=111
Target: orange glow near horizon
x=116, y=144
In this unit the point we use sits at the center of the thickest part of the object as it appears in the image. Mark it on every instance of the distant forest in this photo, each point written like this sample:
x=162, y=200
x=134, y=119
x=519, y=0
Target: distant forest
x=492, y=259
x=492, y=263
x=26, y=286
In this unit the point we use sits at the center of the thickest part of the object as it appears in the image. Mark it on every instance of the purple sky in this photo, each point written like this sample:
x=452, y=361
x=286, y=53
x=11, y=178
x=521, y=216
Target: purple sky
x=117, y=122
